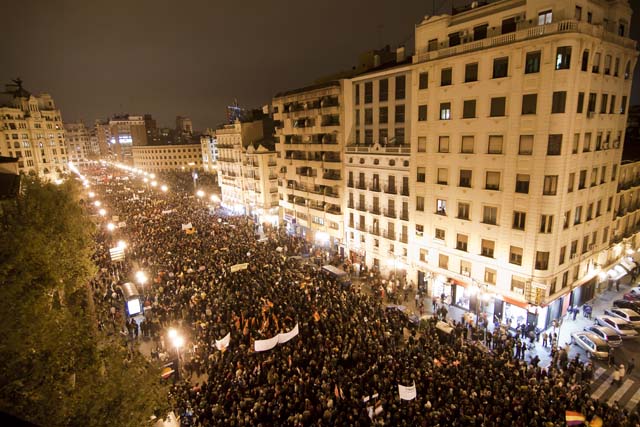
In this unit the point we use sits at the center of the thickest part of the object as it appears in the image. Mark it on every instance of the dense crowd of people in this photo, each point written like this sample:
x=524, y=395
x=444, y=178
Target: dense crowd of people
x=351, y=353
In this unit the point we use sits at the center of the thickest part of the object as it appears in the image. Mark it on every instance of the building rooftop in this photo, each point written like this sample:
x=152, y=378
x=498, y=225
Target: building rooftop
x=308, y=88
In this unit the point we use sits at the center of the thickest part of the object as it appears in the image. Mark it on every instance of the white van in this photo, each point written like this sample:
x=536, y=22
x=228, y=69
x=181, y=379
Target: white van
x=621, y=326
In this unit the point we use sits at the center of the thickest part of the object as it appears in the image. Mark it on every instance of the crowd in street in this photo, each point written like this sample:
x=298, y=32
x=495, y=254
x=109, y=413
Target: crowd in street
x=351, y=353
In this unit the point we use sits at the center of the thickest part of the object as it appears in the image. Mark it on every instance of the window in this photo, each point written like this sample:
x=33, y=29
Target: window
x=443, y=144
x=490, y=215
x=423, y=80
x=596, y=63
x=607, y=65
x=399, y=114
x=400, y=87
x=445, y=111
x=357, y=94
x=443, y=175
x=525, y=147
x=558, y=102
x=493, y=181
x=580, y=106
x=546, y=224
x=445, y=77
x=422, y=113
x=419, y=230
x=563, y=252
x=532, y=63
x=368, y=92
x=585, y=60
x=515, y=255
x=422, y=144
x=487, y=248
x=522, y=183
x=383, y=115
x=576, y=143
x=604, y=101
x=490, y=275
x=590, y=212
x=469, y=109
x=383, y=94
x=577, y=216
x=614, y=172
x=550, y=187
x=463, y=210
x=421, y=174
x=627, y=70
x=613, y=104
x=439, y=234
x=441, y=206
x=623, y=105
x=368, y=116
x=616, y=68
x=467, y=144
x=519, y=220
x=465, y=178
x=599, y=208
x=443, y=261
x=545, y=17
x=498, y=107
x=500, y=67
x=454, y=39
x=578, y=13
x=572, y=178
x=585, y=244
x=480, y=32
x=420, y=203
x=517, y=285
x=582, y=180
x=542, y=260
x=586, y=146
x=554, y=145
x=383, y=135
x=471, y=72
x=508, y=26
x=589, y=17
x=605, y=235
x=529, y=103
x=495, y=144
x=563, y=58
x=462, y=242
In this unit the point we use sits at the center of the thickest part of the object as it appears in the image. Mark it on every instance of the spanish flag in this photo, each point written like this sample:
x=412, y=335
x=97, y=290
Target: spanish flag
x=574, y=418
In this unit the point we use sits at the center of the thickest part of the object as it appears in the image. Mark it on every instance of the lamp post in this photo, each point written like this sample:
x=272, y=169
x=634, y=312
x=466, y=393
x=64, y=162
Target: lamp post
x=142, y=279
x=178, y=341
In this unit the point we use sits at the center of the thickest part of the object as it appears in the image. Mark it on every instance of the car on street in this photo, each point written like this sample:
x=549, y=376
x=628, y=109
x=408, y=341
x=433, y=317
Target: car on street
x=607, y=334
x=626, y=314
x=633, y=294
x=631, y=305
x=591, y=343
x=621, y=326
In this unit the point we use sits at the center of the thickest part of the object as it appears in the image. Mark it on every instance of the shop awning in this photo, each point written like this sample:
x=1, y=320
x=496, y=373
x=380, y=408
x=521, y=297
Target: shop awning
x=628, y=264
x=616, y=272
x=515, y=302
x=636, y=257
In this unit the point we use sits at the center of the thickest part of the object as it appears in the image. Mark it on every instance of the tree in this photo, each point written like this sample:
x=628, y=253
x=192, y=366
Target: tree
x=57, y=368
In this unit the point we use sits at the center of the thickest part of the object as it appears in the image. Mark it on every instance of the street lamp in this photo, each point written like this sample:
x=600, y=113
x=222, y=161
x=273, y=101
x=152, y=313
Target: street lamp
x=102, y=212
x=111, y=226
x=97, y=203
x=91, y=194
x=154, y=183
x=178, y=341
x=122, y=244
x=200, y=193
x=142, y=279
x=164, y=188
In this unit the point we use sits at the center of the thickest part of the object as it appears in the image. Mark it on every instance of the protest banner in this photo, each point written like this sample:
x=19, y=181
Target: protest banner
x=224, y=342
x=263, y=345
x=284, y=337
x=239, y=267
x=187, y=226
x=407, y=392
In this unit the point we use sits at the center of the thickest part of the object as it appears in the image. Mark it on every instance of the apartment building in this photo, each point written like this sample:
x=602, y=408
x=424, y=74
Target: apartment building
x=125, y=132
x=310, y=142
x=377, y=168
x=31, y=130
x=209, y=145
x=520, y=112
x=78, y=142
x=160, y=158
x=260, y=181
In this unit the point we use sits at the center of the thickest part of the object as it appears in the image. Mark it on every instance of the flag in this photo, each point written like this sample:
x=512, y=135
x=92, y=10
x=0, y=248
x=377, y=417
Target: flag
x=166, y=372
x=316, y=316
x=224, y=342
x=574, y=418
x=407, y=392
x=596, y=422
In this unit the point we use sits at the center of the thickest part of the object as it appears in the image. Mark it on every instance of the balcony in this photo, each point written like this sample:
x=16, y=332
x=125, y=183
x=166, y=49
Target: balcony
x=390, y=213
x=389, y=148
x=375, y=210
x=405, y=191
x=404, y=238
x=374, y=230
x=350, y=184
x=390, y=189
x=331, y=176
x=391, y=235
x=375, y=187
x=362, y=227
x=361, y=186
x=404, y=215
x=350, y=205
x=361, y=207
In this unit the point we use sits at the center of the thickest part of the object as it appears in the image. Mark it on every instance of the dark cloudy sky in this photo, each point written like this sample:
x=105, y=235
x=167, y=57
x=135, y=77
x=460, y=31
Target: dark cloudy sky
x=193, y=57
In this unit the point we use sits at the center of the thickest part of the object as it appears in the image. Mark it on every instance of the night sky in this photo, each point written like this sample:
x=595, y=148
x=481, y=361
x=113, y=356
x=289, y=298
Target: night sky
x=194, y=57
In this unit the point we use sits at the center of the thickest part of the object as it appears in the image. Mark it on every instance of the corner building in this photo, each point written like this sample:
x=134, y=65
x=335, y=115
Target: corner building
x=519, y=117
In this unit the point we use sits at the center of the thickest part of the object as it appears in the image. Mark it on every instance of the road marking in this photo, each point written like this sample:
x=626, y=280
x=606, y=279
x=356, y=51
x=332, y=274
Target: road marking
x=633, y=402
x=599, y=371
x=601, y=389
x=620, y=392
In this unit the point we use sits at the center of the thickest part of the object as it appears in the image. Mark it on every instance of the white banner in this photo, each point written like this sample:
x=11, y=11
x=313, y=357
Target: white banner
x=224, y=342
x=263, y=345
x=239, y=267
x=407, y=393
x=117, y=253
x=167, y=212
x=122, y=224
x=283, y=338
x=187, y=226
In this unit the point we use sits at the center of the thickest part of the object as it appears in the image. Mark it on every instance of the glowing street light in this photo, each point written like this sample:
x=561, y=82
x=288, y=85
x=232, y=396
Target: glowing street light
x=111, y=226
x=215, y=198
x=152, y=176
x=164, y=188
x=141, y=277
x=92, y=194
x=154, y=183
x=200, y=193
x=145, y=180
x=102, y=212
x=178, y=341
x=97, y=203
x=122, y=244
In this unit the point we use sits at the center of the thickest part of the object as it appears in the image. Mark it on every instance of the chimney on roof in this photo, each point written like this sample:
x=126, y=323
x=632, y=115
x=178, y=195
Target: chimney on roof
x=376, y=60
x=400, y=54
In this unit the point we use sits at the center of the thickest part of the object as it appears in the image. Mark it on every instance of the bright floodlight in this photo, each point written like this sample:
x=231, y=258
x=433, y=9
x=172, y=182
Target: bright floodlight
x=145, y=180
x=102, y=212
x=152, y=176
x=200, y=193
x=172, y=333
x=141, y=277
x=111, y=226
x=164, y=188
x=97, y=203
x=322, y=237
x=122, y=244
x=154, y=183
x=178, y=341
x=215, y=198
x=92, y=194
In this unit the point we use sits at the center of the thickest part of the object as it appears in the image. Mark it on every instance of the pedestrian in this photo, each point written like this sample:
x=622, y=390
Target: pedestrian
x=575, y=312
x=616, y=377
x=622, y=371
x=631, y=365
x=545, y=337
x=611, y=358
x=434, y=302
x=523, y=345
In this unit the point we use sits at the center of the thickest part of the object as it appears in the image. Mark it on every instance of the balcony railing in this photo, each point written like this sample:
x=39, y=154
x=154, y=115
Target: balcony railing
x=390, y=213
x=391, y=235
x=404, y=216
x=374, y=230
x=361, y=207
x=375, y=188
x=390, y=189
x=361, y=186
x=405, y=191
x=375, y=210
x=404, y=238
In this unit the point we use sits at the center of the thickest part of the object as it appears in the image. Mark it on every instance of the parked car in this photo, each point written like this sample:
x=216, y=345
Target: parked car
x=607, y=334
x=633, y=294
x=621, y=326
x=631, y=305
x=591, y=343
x=626, y=314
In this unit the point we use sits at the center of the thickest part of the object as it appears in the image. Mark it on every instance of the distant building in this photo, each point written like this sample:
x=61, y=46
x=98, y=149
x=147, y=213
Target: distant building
x=9, y=178
x=127, y=131
x=184, y=125
x=209, y=145
x=32, y=131
x=102, y=135
x=78, y=140
x=159, y=158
